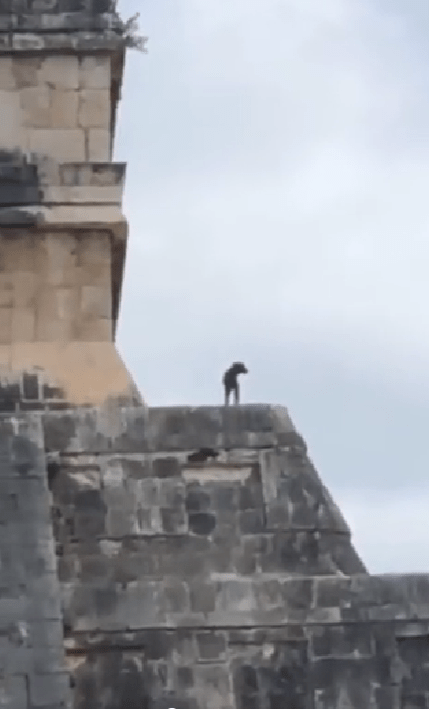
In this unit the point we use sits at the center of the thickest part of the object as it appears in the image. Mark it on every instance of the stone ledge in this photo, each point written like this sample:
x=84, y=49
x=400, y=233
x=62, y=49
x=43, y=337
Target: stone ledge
x=28, y=195
x=89, y=195
x=102, y=41
x=251, y=425
x=179, y=429
x=59, y=22
x=95, y=174
x=243, y=602
x=19, y=7
x=108, y=217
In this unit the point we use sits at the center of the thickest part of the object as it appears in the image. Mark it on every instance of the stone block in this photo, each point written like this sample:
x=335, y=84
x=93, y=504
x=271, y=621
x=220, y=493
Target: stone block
x=298, y=593
x=94, y=72
x=68, y=304
x=25, y=70
x=45, y=634
x=35, y=105
x=19, y=194
x=52, y=330
x=10, y=395
x=211, y=645
x=56, y=260
x=47, y=310
x=108, y=175
x=6, y=290
x=30, y=386
x=173, y=520
x=214, y=683
x=245, y=557
x=88, y=194
x=5, y=326
x=251, y=522
x=12, y=135
x=17, y=254
x=268, y=594
x=184, y=678
x=120, y=520
x=94, y=108
x=197, y=499
x=147, y=520
x=236, y=596
x=171, y=493
x=354, y=641
x=64, y=108
x=174, y=596
x=7, y=80
x=25, y=284
x=202, y=597
x=166, y=467
x=340, y=682
x=93, y=249
x=250, y=497
x=99, y=144
x=16, y=660
x=93, y=330
x=201, y=523
x=139, y=606
x=93, y=274
x=145, y=492
x=50, y=660
x=13, y=691
x=96, y=302
x=64, y=144
x=60, y=71
x=23, y=328
x=49, y=689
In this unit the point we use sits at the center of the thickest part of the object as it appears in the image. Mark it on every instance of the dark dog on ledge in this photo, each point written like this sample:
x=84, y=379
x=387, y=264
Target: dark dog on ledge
x=230, y=381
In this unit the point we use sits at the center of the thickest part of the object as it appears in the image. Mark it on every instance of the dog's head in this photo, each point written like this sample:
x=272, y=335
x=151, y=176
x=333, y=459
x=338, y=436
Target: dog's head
x=239, y=368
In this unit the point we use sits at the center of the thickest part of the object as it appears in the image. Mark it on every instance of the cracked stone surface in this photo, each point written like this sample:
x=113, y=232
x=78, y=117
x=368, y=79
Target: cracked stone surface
x=235, y=586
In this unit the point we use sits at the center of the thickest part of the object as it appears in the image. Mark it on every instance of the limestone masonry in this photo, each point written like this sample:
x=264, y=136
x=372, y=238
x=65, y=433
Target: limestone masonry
x=131, y=578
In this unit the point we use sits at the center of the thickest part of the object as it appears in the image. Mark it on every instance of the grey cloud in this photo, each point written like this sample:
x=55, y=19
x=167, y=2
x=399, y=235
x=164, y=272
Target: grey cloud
x=278, y=160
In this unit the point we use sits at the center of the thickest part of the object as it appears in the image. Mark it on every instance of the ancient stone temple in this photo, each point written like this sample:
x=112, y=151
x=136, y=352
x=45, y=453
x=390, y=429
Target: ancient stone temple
x=63, y=238
x=130, y=576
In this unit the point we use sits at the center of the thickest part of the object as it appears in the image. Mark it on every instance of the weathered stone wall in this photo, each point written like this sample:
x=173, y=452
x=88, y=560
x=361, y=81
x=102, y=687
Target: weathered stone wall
x=62, y=232
x=56, y=287
x=33, y=672
x=227, y=584
x=56, y=106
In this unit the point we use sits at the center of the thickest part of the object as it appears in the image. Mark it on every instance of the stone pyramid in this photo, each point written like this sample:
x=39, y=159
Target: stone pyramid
x=136, y=572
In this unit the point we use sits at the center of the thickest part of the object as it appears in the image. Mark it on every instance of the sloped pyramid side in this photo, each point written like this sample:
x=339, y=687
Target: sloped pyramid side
x=227, y=583
x=200, y=543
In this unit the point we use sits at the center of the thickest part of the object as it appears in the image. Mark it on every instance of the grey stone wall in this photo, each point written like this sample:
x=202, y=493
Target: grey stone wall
x=27, y=25
x=230, y=584
x=226, y=584
x=32, y=662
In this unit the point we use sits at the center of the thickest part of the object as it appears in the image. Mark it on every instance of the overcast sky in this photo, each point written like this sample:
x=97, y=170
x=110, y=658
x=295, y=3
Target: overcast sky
x=277, y=193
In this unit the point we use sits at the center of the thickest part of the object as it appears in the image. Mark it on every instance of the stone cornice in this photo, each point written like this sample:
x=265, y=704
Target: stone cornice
x=12, y=41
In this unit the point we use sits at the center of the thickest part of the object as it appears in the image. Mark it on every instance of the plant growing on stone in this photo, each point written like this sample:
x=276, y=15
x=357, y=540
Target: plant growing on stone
x=130, y=30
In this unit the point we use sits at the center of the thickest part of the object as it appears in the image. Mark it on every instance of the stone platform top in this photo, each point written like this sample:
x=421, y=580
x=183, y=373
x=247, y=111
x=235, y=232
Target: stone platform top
x=174, y=428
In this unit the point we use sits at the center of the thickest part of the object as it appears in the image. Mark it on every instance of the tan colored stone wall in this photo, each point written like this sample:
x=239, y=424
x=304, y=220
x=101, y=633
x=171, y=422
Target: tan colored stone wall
x=55, y=287
x=56, y=105
x=56, y=313
x=58, y=284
